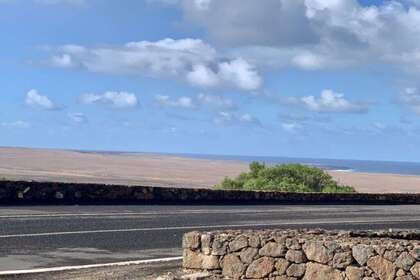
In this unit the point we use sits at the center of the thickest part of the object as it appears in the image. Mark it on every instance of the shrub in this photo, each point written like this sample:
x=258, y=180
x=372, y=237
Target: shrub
x=285, y=177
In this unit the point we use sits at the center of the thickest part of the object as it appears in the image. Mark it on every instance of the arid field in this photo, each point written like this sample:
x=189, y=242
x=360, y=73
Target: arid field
x=158, y=170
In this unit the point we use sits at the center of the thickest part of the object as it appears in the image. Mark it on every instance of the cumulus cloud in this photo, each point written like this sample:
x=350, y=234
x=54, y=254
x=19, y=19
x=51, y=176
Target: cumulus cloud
x=238, y=22
x=120, y=100
x=188, y=59
x=203, y=76
x=229, y=118
x=313, y=34
x=16, y=124
x=36, y=100
x=240, y=73
x=181, y=102
x=235, y=73
x=330, y=102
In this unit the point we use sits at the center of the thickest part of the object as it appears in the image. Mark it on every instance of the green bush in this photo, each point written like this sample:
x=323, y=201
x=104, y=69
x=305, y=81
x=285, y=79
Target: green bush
x=286, y=178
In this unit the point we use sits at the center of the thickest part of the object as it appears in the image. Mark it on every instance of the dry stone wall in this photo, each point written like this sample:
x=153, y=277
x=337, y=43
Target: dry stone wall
x=21, y=192
x=304, y=254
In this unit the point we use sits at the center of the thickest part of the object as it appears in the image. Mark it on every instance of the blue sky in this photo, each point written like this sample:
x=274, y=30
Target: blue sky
x=301, y=78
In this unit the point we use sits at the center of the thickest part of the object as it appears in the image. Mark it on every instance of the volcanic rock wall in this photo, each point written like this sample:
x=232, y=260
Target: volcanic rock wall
x=21, y=192
x=307, y=255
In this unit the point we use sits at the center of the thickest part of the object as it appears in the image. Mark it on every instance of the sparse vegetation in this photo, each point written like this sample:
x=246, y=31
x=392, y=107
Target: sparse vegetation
x=286, y=178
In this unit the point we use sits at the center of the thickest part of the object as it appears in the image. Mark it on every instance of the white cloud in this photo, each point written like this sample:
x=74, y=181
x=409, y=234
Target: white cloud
x=215, y=101
x=308, y=61
x=236, y=73
x=188, y=59
x=62, y=61
x=239, y=23
x=203, y=76
x=330, y=101
x=181, y=102
x=16, y=124
x=410, y=97
x=240, y=73
x=202, y=4
x=78, y=118
x=313, y=34
x=200, y=101
x=36, y=100
x=165, y=57
x=229, y=118
x=291, y=127
x=249, y=119
x=114, y=99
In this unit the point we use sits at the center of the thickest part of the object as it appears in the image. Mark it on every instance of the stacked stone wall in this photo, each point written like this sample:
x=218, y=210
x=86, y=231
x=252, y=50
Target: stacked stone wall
x=21, y=192
x=307, y=255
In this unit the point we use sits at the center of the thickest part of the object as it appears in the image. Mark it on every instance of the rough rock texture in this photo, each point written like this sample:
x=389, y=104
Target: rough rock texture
x=273, y=249
x=191, y=240
x=316, y=251
x=232, y=266
x=238, y=243
x=248, y=255
x=296, y=270
x=362, y=253
x=20, y=192
x=295, y=256
x=405, y=261
x=342, y=260
x=382, y=267
x=260, y=268
x=315, y=271
x=354, y=273
x=304, y=254
x=193, y=259
x=415, y=270
x=281, y=266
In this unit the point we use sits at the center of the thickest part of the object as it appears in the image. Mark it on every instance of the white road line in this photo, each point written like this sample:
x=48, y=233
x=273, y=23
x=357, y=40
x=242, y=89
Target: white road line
x=181, y=212
x=280, y=209
x=14, y=216
x=76, y=267
x=73, y=215
x=203, y=227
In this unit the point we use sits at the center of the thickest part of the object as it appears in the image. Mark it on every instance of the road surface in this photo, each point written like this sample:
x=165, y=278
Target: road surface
x=55, y=236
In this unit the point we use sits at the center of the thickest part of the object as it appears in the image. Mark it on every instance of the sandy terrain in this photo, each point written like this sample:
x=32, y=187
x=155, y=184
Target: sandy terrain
x=157, y=170
x=379, y=183
x=131, y=169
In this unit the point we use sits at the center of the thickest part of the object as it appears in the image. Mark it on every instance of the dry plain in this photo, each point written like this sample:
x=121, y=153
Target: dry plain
x=158, y=170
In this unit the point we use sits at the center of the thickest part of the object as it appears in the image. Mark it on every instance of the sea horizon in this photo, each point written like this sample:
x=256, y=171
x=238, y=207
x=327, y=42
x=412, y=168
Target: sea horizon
x=330, y=164
x=339, y=165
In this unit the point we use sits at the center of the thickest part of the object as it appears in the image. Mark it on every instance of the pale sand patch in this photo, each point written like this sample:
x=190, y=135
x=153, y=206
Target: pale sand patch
x=130, y=169
x=158, y=170
x=379, y=183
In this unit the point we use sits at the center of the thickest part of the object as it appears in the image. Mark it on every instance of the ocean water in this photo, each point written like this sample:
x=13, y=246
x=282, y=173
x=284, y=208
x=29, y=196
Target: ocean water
x=368, y=166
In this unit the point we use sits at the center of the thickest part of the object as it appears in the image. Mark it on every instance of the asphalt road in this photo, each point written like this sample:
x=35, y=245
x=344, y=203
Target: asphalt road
x=42, y=237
